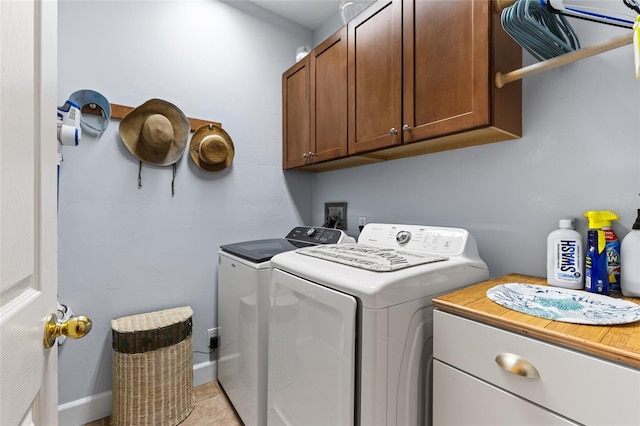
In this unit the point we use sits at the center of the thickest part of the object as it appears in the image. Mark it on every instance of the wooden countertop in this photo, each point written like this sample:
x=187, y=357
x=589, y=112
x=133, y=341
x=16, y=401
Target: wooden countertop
x=620, y=343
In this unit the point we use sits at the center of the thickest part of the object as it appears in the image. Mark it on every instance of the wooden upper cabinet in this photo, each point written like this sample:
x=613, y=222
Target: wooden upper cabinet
x=328, y=94
x=419, y=80
x=375, y=78
x=445, y=67
x=295, y=115
x=314, y=97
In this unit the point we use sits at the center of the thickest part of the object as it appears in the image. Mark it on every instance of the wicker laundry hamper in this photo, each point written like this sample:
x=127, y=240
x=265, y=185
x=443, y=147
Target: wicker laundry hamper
x=152, y=368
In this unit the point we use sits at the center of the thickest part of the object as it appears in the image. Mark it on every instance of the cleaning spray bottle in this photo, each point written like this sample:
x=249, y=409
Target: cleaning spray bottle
x=565, y=256
x=596, y=274
x=630, y=270
x=612, y=249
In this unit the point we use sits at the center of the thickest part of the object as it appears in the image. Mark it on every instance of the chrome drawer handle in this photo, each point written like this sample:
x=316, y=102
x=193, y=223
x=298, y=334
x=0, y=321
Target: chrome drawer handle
x=514, y=364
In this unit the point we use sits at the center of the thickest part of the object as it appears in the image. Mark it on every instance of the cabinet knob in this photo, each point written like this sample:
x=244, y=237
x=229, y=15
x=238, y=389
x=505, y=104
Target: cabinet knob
x=393, y=131
x=305, y=155
x=406, y=128
x=517, y=365
x=309, y=154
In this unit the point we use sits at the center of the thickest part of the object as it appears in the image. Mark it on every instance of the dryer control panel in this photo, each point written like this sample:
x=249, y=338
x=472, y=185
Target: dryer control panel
x=432, y=239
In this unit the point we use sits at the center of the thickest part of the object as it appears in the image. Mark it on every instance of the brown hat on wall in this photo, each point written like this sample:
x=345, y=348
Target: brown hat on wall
x=155, y=132
x=211, y=148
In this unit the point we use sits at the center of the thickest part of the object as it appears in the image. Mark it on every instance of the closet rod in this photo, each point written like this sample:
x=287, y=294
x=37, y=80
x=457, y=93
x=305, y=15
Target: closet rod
x=576, y=55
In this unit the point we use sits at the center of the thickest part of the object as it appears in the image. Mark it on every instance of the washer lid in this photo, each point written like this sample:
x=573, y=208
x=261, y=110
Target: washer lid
x=260, y=250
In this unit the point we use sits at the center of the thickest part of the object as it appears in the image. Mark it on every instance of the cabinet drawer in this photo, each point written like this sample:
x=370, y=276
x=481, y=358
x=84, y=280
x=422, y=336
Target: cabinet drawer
x=484, y=404
x=584, y=388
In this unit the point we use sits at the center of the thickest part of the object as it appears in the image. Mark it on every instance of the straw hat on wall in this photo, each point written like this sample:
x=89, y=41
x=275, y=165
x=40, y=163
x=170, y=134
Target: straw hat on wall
x=211, y=148
x=156, y=132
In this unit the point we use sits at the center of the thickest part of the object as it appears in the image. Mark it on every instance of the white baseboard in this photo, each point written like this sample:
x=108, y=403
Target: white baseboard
x=205, y=372
x=98, y=406
x=85, y=410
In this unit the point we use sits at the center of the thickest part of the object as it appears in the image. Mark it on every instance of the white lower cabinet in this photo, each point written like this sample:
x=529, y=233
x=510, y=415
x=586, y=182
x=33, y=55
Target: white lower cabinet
x=564, y=386
x=460, y=399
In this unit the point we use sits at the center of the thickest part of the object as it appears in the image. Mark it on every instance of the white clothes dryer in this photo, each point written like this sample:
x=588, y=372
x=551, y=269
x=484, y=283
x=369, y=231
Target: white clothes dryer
x=244, y=274
x=354, y=325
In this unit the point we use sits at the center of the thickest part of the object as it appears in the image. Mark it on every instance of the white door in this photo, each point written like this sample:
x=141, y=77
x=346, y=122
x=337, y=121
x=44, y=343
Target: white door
x=28, y=161
x=312, y=335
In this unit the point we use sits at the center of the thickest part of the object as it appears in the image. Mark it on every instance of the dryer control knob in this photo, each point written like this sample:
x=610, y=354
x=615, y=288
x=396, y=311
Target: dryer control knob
x=311, y=231
x=403, y=237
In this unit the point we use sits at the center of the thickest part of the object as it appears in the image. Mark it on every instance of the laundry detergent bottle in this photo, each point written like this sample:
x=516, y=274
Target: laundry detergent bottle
x=596, y=278
x=565, y=257
x=612, y=249
x=630, y=269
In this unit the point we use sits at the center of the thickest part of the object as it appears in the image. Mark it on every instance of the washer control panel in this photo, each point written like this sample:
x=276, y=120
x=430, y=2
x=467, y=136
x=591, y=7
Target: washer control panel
x=317, y=235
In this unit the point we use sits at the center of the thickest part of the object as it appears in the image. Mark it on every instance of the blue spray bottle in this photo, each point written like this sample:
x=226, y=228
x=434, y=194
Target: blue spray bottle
x=596, y=278
x=613, y=249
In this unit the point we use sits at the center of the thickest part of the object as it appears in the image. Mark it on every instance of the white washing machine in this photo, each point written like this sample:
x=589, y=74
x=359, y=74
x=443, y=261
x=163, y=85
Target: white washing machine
x=244, y=274
x=351, y=325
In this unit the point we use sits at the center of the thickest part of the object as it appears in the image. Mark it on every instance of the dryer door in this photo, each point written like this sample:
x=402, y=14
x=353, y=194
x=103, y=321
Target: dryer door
x=312, y=333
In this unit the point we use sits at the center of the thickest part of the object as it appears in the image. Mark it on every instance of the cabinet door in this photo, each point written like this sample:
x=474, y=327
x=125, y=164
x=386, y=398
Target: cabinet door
x=446, y=67
x=328, y=92
x=295, y=115
x=375, y=78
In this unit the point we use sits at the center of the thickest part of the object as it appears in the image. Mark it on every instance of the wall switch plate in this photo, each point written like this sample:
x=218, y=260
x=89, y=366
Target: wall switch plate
x=362, y=221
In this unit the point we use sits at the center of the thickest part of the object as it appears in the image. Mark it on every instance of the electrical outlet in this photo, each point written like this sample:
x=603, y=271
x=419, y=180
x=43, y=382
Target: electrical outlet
x=212, y=337
x=362, y=221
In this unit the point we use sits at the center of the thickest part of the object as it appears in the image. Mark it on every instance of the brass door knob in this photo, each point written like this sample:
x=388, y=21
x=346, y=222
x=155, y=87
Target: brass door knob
x=75, y=327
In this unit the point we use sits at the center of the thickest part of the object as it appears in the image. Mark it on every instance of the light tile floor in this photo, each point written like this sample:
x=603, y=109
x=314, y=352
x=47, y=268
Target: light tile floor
x=212, y=408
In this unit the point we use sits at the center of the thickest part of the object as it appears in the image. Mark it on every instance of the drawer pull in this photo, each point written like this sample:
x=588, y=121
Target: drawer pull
x=516, y=365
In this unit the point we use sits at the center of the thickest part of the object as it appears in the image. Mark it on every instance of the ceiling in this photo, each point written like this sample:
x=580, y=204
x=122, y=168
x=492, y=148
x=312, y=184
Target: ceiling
x=311, y=14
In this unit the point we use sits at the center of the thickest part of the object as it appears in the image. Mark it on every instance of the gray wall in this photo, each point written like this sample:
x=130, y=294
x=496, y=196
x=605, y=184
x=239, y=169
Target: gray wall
x=580, y=152
x=123, y=250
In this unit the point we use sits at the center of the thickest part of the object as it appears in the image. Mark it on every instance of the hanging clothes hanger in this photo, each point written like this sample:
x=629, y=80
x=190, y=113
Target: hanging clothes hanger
x=543, y=34
x=633, y=5
x=593, y=14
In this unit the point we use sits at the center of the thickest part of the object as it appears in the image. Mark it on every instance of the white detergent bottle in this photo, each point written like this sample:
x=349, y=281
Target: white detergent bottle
x=630, y=252
x=565, y=257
